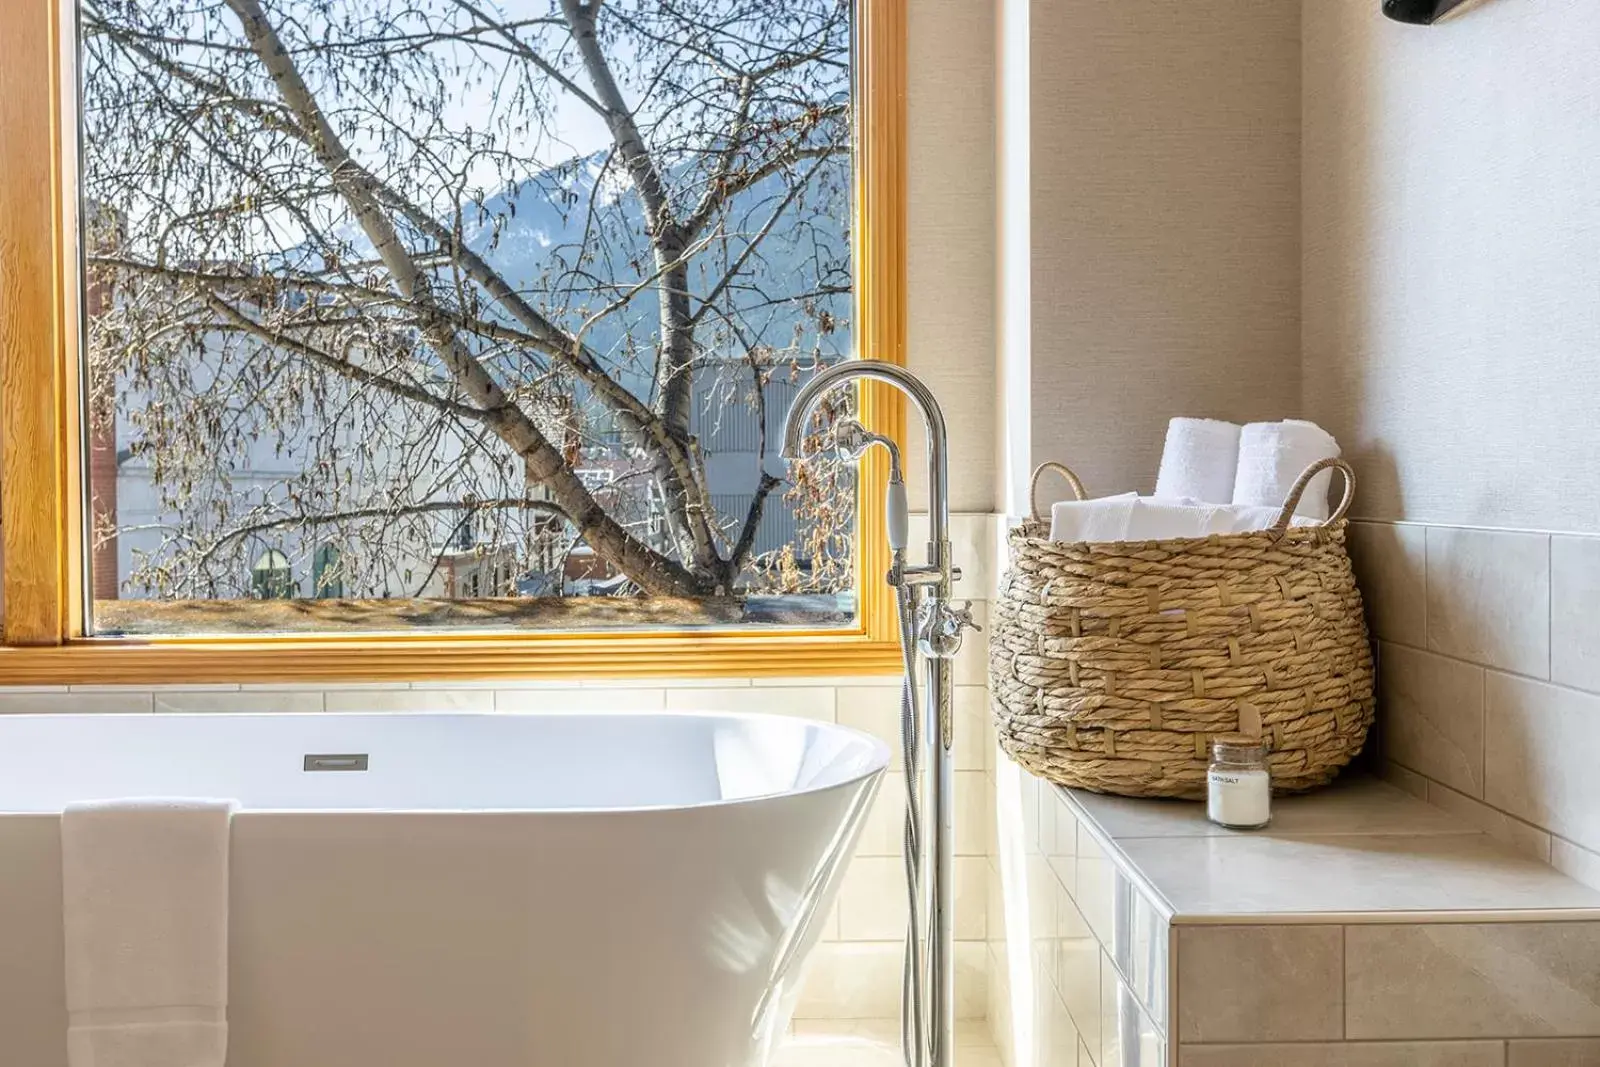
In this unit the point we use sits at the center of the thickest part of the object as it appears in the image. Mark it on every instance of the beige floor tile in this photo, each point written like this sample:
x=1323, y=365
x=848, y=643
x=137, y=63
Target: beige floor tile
x=874, y=1043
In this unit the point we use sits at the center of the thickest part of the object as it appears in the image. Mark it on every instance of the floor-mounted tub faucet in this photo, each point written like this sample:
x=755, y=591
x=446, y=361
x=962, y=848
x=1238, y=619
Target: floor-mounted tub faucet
x=930, y=625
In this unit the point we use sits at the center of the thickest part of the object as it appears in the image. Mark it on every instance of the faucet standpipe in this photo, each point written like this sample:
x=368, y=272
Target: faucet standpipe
x=932, y=625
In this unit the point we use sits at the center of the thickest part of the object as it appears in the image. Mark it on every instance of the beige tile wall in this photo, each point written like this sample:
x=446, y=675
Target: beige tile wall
x=1446, y=317
x=1466, y=980
x=1074, y=983
x=1303, y=1001
x=1388, y=995
x=1489, y=688
x=1076, y=952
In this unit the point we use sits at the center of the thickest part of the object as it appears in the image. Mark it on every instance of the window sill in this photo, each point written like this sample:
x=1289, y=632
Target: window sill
x=504, y=617
x=433, y=657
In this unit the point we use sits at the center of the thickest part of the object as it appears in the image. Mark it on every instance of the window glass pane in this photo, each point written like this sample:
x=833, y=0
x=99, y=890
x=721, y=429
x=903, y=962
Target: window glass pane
x=463, y=313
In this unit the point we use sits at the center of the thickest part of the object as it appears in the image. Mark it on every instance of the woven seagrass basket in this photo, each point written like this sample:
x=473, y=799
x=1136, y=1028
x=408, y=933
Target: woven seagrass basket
x=1113, y=665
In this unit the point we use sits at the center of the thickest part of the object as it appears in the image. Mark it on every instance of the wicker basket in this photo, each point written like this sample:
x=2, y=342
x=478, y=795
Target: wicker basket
x=1113, y=665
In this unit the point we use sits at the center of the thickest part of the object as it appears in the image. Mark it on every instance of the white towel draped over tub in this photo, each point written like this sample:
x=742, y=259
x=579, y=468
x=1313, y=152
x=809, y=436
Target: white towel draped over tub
x=145, y=905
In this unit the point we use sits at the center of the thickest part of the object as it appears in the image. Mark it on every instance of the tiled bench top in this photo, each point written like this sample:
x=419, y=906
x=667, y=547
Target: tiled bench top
x=1361, y=850
x=1365, y=928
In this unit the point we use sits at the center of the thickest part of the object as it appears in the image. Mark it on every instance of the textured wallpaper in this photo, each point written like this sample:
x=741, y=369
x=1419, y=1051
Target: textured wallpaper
x=1165, y=225
x=950, y=251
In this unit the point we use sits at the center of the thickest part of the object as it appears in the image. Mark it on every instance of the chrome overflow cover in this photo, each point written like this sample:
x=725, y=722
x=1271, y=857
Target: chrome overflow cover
x=345, y=761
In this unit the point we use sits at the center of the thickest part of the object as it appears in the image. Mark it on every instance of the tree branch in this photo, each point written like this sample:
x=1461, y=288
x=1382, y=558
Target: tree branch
x=389, y=512
x=343, y=368
x=522, y=49
x=675, y=466
x=750, y=247
x=752, y=525
x=720, y=193
x=624, y=130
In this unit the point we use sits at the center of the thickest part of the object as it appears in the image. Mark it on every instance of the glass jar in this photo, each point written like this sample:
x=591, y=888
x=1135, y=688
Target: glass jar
x=1238, y=786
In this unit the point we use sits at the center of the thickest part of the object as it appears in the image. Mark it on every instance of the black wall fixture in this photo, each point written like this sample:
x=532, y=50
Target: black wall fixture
x=1421, y=12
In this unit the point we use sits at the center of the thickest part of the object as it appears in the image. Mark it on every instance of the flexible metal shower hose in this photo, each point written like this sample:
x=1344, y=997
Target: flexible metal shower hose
x=913, y=1028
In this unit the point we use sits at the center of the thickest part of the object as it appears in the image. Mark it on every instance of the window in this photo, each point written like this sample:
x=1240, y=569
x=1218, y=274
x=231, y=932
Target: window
x=272, y=578
x=451, y=301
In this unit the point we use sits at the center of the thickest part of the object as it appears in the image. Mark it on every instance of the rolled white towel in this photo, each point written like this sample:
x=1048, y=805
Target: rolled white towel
x=1198, y=461
x=1131, y=517
x=1272, y=455
x=1166, y=520
x=1102, y=519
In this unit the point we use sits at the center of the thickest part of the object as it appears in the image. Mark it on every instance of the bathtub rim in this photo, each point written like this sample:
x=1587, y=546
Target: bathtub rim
x=880, y=758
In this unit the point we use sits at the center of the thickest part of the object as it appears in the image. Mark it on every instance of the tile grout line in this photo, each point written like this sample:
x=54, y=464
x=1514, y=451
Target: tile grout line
x=1550, y=608
x=1532, y=531
x=1344, y=984
x=1504, y=672
x=1483, y=736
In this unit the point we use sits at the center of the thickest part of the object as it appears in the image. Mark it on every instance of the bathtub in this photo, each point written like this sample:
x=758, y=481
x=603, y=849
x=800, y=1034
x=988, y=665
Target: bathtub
x=544, y=890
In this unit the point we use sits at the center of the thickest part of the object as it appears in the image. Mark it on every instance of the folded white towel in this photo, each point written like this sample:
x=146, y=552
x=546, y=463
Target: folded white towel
x=1239, y=518
x=1273, y=454
x=1198, y=461
x=145, y=907
x=178, y=1044
x=1103, y=519
x=1140, y=518
x=1166, y=520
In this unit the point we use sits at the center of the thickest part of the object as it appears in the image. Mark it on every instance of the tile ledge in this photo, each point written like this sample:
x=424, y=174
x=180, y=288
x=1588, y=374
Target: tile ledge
x=1379, y=855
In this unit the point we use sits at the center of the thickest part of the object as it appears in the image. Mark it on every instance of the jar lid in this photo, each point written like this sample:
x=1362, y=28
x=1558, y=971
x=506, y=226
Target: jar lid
x=1238, y=748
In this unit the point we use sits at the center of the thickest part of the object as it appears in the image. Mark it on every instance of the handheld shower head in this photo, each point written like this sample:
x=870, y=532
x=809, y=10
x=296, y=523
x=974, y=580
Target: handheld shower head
x=851, y=441
x=922, y=400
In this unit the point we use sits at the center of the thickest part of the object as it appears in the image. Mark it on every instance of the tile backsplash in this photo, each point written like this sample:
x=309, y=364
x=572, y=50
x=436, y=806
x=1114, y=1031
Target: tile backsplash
x=1489, y=678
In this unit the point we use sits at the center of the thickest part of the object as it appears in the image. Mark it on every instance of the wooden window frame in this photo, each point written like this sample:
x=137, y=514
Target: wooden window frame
x=43, y=639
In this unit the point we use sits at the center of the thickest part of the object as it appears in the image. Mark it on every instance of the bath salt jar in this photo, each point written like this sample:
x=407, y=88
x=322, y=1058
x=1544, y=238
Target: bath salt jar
x=1238, y=785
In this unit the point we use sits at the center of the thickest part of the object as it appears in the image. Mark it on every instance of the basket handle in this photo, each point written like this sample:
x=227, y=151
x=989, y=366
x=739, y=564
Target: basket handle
x=1078, y=491
x=1298, y=490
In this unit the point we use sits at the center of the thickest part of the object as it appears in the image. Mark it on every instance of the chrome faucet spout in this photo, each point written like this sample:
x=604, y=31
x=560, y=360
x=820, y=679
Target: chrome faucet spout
x=806, y=400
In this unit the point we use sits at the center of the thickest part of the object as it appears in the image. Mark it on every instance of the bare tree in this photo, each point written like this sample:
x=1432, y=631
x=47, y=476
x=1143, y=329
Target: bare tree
x=357, y=236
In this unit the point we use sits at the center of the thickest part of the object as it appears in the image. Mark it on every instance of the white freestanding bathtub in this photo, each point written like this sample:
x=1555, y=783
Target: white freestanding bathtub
x=544, y=890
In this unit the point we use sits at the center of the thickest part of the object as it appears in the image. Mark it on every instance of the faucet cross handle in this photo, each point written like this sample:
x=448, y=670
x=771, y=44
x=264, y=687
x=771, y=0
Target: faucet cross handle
x=941, y=627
